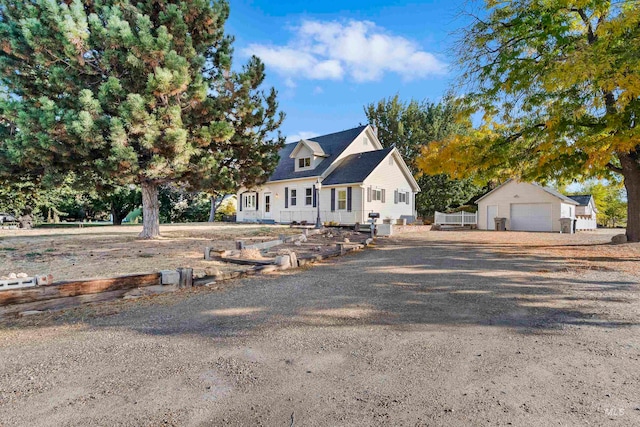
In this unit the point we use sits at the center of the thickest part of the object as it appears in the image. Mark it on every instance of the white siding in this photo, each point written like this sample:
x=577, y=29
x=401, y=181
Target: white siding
x=306, y=152
x=521, y=192
x=389, y=177
x=301, y=211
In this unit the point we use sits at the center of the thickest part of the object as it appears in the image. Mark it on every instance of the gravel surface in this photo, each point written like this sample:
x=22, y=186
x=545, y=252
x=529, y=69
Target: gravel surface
x=107, y=251
x=439, y=328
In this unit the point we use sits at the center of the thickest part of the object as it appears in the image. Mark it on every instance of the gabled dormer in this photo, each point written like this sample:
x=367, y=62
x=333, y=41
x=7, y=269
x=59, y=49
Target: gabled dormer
x=307, y=155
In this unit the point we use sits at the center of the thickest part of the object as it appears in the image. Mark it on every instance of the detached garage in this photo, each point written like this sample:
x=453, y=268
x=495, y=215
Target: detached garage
x=526, y=207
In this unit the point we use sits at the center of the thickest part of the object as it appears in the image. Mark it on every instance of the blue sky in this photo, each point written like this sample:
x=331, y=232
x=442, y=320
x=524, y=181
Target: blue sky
x=328, y=59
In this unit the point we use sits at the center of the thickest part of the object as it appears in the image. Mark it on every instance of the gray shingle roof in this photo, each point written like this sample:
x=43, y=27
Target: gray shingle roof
x=356, y=167
x=582, y=199
x=332, y=144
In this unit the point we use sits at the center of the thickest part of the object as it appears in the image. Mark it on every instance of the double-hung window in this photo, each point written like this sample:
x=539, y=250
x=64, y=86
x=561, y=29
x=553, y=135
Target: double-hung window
x=304, y=162
x=250, y=201
x=308, y=196
x=402, y=197
x=294, y=197
x=342, y=200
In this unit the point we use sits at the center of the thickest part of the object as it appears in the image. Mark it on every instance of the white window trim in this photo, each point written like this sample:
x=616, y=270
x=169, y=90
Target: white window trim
x=292, y=197
x=310, y=196
x=376, y=194
x=303, y=159
x=402, y=196
x=338, y=190
x=249, y=201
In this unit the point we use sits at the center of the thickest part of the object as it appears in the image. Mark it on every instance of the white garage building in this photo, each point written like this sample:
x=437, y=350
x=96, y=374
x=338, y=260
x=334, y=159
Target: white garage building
x=526, y=207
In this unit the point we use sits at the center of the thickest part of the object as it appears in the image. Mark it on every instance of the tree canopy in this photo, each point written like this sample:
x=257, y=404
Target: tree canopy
x=134, y=91
x=558, y=85
x=409, y=126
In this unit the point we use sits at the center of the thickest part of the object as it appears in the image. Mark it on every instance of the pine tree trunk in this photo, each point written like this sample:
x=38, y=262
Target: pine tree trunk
x=631, y=171
x=214, y=208
x=150, y=211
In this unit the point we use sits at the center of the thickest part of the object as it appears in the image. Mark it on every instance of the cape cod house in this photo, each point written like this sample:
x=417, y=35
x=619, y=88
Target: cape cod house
x=345, y=175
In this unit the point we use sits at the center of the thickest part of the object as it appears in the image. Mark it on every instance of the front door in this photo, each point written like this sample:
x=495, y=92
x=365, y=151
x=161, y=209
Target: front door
x=267, y=205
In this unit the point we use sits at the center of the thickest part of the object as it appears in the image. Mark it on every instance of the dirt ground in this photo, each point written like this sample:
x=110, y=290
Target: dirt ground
x=111, y=251
x=430, y=328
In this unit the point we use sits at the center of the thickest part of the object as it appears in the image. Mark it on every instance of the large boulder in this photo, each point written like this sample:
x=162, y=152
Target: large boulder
x=618, y=239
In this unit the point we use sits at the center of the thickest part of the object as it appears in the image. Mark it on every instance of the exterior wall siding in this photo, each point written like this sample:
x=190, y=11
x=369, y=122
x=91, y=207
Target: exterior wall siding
x=390, y=178
x=521, y=192
x=301, y=211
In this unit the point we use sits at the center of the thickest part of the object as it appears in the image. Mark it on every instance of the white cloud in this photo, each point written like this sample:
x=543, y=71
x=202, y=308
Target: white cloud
x=359, y=50
x=301, y=135
x=318, y=90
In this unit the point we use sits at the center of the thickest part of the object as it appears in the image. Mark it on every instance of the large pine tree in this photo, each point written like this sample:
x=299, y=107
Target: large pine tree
x=137, y=91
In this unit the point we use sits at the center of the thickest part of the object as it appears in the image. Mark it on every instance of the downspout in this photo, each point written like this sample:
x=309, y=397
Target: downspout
x=363, y=218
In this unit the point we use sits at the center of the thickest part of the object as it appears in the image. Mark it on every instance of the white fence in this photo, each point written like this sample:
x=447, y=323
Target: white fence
x=456, y=218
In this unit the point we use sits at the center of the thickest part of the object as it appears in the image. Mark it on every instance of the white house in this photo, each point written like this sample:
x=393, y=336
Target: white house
x=526, y=207
x=345, y=175
x=586, y=212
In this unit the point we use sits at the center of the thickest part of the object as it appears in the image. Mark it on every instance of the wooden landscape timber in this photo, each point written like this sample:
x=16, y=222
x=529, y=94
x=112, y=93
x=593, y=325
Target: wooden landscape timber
x=69, y=294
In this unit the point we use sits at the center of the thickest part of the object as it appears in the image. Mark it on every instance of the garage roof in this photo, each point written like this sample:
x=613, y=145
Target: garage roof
x=549, y=190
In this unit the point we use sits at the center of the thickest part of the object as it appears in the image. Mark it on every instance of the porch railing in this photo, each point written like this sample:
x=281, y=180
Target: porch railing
x=340, y=217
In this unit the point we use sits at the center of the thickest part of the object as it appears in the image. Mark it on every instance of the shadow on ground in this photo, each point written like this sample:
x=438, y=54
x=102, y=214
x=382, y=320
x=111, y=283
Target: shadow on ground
x=403, y=284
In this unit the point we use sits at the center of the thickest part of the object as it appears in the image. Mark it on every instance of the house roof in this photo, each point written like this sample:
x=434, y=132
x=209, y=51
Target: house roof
x=315, y=148
x=549, y=190
x=582, y=199
x=332, y=145
x=356, y=167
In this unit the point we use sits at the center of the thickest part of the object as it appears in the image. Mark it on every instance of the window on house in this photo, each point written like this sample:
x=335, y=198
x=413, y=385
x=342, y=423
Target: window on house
x=402, y=197
x=376, y=195
x=294, y=196
x=304, y=162
x=250, y=201
x=342, y=200
x=308, y=196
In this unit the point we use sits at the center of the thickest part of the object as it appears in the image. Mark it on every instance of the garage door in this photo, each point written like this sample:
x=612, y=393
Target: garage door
x=531, y=217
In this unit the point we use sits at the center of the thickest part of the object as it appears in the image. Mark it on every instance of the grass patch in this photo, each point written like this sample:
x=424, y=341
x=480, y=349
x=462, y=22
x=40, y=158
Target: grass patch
x=49, y=250
x=8, y=249
x=33, y=254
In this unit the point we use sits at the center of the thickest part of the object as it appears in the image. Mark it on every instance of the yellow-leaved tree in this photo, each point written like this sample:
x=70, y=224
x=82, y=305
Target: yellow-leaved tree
x=558, y=86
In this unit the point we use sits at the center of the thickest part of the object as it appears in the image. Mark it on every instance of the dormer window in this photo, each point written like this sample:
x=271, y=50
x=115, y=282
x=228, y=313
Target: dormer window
x=304, y=162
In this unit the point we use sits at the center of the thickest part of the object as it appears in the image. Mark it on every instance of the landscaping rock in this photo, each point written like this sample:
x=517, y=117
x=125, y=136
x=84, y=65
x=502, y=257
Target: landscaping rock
x=283, y=261
x=44, y=280
x=618, y=239
x=293, y=258
x=170, y=277
x=212, y=271
x=22, y=275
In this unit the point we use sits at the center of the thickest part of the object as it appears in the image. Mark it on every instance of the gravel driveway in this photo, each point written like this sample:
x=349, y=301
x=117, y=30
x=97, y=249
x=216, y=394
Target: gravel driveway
x=413, y=332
